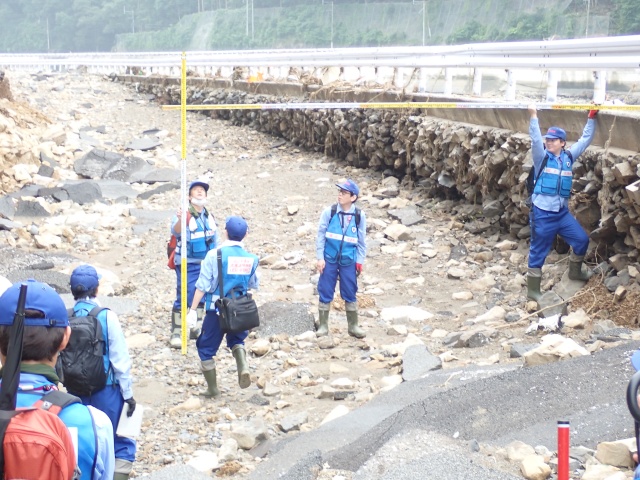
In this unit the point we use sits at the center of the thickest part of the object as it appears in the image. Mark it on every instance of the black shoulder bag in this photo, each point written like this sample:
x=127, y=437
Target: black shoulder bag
x=237, y=313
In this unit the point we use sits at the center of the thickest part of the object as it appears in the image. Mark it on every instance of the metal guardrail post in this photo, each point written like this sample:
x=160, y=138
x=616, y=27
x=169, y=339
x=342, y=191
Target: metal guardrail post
x=477, y=82
x=552, y=86
x=422, y=80
x=599, y=86
x=510, y=94
x=448, y=81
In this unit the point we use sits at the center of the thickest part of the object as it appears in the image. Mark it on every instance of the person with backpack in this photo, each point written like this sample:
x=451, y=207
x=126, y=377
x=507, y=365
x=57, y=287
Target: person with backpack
x=549, y=215
x=110, y=388
x=201, y=237
x=341, y=247
x=46, y=333
x=239, y=273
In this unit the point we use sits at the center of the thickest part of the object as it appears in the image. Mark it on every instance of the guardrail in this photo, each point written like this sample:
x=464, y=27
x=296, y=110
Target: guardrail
x=408, y=68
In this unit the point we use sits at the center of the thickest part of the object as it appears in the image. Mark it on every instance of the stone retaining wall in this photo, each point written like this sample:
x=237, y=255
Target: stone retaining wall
x=486, y=165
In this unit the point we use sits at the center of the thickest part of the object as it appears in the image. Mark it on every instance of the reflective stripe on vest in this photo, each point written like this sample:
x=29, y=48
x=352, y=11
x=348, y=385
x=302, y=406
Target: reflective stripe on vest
x=340, y=245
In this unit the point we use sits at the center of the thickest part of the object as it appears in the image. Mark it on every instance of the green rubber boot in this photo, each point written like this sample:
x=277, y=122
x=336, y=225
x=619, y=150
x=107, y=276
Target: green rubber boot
x=323, y=320
x=209, y=372
x=534, y=278
x=244, y=377
x=352, y=319
x=575, y=268
x=176, y=330
x=120, y=476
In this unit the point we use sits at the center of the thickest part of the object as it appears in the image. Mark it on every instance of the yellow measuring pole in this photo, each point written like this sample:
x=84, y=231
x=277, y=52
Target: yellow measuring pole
x=392, y=105
x=183, y=195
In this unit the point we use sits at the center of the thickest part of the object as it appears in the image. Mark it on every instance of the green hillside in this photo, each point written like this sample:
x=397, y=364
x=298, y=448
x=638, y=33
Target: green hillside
x=128, y=25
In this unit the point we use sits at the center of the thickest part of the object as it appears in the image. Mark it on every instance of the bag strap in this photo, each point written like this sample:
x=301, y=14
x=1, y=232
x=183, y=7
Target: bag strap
x=542, y=167
x=220, y=282
x=55, y=401
x=95, y=311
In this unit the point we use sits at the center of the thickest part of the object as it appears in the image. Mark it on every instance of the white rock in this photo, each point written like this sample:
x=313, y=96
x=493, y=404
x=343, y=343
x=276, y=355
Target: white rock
x=337, y=412
x=462, y=296
x=204, y=461
x=405, y=313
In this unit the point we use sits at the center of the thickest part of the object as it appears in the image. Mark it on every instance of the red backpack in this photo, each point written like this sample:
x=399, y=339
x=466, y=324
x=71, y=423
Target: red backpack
x=171, y=247
x=36, y=444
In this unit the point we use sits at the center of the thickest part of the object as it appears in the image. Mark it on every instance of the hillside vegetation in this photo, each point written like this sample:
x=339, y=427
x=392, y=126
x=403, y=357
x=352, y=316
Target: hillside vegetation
x=134, y=25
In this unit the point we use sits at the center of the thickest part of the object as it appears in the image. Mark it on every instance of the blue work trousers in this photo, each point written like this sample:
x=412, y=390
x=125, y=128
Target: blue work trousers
x=329, y=277
x=110, y=401
x=544, y=228
x=193, y=272
x=210, y=337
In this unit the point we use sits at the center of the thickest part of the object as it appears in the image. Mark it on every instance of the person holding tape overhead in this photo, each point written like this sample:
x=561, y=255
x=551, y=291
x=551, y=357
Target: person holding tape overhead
x=550, y=214
x=340, y=249
x=239, y=271
x=201, y=237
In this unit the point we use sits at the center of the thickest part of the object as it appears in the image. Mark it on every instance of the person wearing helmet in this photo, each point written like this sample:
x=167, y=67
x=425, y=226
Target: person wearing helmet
x=550, y=214
x=201, y=236
x=340, y=249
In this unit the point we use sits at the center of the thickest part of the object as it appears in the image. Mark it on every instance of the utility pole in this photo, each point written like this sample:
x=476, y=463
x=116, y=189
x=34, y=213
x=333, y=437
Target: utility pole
x=586, y=29
x=424, y=16
x=133, y=19
x=48, y=40
x=323, y=2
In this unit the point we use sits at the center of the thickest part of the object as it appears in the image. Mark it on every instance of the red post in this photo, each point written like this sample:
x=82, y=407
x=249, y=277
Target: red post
x=563, y=450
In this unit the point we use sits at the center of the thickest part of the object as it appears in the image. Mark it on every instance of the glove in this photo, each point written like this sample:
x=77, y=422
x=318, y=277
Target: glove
x=592, y=113
x=358, y=269
x=192, y=318
x=132, y=406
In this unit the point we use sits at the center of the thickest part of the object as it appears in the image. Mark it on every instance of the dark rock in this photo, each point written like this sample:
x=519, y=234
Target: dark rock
x=407, y=216
x=166, y=187
x=418, y=361
x=282, y=317
x=84, y=192
x=258, y=400
x=519, y=349
x=45, y=171
x=57, y=193
x=95, y=163
x=30, y=208
x=7, y=208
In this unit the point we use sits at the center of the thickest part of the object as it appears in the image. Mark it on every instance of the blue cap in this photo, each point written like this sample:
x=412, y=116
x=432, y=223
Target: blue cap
x=84, y=278
x=350, y=186
x=40, y=297
x=556, y=132
x=199, y=183
x=236, y=228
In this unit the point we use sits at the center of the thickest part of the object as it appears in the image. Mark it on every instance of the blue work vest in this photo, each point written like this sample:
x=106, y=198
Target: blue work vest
x=341, y=245
x=199, y=236
x=557, y=177
x=238, y=266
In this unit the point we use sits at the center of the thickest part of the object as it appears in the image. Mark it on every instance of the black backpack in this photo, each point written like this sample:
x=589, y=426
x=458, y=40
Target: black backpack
x=532, y=178
x=334, y=209
x=80, y=365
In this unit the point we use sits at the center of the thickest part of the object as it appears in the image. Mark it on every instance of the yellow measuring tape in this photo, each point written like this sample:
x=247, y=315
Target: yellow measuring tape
x=391, y=105
x=184, y=333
